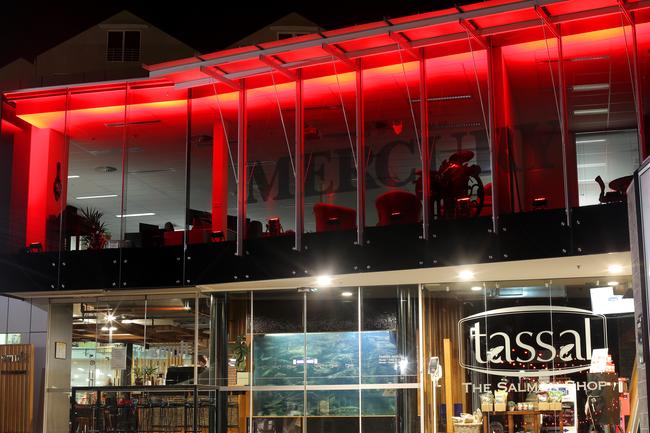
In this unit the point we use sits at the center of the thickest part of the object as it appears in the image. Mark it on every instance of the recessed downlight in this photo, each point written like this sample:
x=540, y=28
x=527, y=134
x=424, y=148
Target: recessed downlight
x=324, y=280
x=466, y=275
x=615, y=269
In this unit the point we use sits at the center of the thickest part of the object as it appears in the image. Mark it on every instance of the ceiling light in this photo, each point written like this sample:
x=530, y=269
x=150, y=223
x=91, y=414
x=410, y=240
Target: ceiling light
x=589, y=87
x=324, y=280
x=466, y=275
x=89, y=197
x=138, y=122
x=110, y=317
x=477, y=288
x=590, y=111
x=595, y=140
x=129, y=215
x=73, y=176
x=347, y=294
x=615, y=269
x=612, y=283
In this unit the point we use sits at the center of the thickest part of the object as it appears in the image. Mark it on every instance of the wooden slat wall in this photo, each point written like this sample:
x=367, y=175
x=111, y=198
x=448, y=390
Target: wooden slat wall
x=441, y=318
x=16, y=388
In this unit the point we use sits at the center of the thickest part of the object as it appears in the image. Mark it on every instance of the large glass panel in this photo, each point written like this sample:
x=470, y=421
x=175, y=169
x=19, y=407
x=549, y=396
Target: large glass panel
x=156, y=142
x=530, y=166
x=34, y=172
x=278, y=339
x=213, y=162
x=461, y=175
x=271, y=159
x=95, y=142
x=388, y=334
x=233, y=358
x=602, y=117
x=332, y=321
x=330, y=137
x=535, y=354
x=391, y=103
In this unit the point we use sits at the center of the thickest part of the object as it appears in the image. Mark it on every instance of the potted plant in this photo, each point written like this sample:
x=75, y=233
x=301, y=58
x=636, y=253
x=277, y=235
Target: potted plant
x=97, y=235
x=240, y=353
x=139, y=376
x=148, y=375
x=238, y=358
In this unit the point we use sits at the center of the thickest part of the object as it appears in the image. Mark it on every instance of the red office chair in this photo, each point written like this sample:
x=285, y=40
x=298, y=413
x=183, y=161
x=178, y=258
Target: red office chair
x=330, y=217
x=486, y=210
x=398, y=207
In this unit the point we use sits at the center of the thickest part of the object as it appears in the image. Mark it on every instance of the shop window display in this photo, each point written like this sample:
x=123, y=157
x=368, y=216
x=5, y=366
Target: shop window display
x=534, y=356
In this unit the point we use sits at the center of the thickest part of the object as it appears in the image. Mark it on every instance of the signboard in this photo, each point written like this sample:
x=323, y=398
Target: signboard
x=118, y=358
x=530, y=341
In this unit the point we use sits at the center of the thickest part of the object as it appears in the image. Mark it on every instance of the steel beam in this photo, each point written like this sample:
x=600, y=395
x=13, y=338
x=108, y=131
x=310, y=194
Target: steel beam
x=473, y=32
x=404, y=44
x=220, y=77
x=278, y=66
x=361, y=158
x=424, y=150
x=339, y=54
x=242, y=125
x=299, y=163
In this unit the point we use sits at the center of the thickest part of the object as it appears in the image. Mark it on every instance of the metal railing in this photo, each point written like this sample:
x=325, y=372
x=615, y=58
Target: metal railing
x=148, y=409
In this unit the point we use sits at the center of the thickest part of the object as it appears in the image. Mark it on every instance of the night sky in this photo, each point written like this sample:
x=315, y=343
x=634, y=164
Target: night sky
x=29, y=28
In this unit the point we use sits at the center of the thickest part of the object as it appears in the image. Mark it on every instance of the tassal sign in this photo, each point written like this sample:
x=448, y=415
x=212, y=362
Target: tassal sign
x=530, y=340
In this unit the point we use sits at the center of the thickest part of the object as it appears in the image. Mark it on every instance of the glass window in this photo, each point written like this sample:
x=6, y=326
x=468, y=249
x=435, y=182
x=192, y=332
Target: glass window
x=123, y=46
x=213, y=161
x=554, y=353
x=154, y=212
x=34, y=147
x=602, y=113
x=271, y=160
x=330, y=137
x=391, y=96
x=95, y=167
x=461, y=174
x=529, y=135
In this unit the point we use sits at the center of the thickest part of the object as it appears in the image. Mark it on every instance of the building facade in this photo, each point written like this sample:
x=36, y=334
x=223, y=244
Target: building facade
x=376, y=228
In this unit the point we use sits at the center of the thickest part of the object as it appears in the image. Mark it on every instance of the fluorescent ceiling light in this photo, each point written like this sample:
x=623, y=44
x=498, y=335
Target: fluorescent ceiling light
x=592, y=165
x=477, y=288
x=129, y=215
x=466, y=275
x=590, y=111
x=89, y=197
x=73, y=176
x=588, y=58
x=346, y=294
x=595, y=140
x=612, y=283
x=590, y=87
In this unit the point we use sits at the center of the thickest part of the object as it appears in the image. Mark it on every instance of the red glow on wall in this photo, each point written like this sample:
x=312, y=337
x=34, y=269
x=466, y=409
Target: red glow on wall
x=37, y=189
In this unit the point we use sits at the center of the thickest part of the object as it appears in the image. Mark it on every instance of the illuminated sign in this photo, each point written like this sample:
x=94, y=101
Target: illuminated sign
x=530, y=340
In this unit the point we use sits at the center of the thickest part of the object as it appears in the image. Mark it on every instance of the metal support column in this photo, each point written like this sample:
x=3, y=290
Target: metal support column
x=361, y=157
x=299, y=163
x=242, y=125
x=492, y=135
x=564, y=126
x=425, y=153
x=638, y=93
